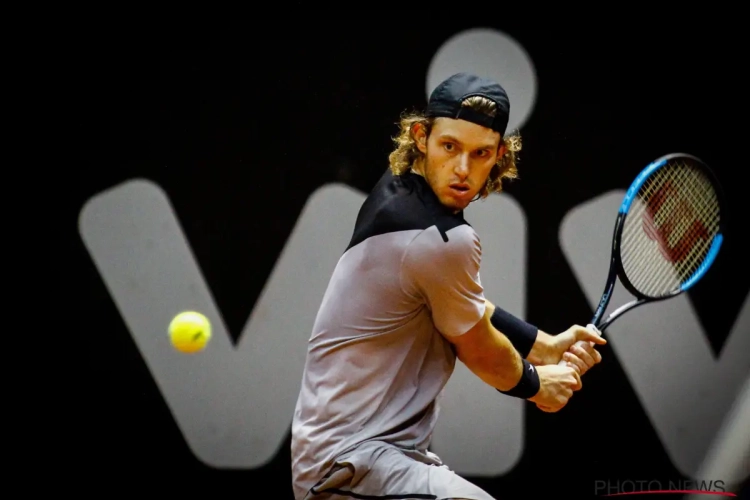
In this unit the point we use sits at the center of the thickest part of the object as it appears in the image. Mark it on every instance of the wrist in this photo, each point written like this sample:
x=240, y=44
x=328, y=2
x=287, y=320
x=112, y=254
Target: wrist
x=528, y=385
x=542, y=350
x=521, y=334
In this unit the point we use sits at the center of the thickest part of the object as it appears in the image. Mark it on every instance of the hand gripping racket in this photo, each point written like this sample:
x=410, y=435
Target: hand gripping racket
x=668, y=232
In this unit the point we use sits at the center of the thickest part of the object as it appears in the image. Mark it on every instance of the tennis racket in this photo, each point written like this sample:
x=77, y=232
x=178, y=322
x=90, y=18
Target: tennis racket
x=668, y=232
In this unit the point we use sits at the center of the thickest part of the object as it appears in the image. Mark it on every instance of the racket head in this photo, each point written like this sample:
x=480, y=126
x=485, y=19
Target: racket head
x=671, y=226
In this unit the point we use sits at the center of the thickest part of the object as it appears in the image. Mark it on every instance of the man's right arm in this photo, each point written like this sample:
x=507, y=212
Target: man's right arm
x=446, y=276
x=493, y=358
x=489, y=354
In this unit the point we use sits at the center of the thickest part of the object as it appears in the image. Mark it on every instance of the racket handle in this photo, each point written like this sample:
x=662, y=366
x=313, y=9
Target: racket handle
x=582, y=343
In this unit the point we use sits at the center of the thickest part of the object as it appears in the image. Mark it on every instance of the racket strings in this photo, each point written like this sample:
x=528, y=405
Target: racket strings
x=669, y=229
x=652, y=272
x=667, y=277
x=683, y=242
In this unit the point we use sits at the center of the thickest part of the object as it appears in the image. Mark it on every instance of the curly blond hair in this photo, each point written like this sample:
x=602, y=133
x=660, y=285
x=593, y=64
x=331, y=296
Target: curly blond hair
x=402, y=158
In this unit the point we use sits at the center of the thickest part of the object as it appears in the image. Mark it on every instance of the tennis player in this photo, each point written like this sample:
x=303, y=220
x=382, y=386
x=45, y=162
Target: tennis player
x=405, y=300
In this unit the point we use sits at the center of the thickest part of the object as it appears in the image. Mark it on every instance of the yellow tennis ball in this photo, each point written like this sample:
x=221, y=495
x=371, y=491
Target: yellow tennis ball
x=190, y=331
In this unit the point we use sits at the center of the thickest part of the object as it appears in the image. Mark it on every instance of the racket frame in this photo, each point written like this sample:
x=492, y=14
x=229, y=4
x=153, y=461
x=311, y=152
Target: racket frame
x=616, y=268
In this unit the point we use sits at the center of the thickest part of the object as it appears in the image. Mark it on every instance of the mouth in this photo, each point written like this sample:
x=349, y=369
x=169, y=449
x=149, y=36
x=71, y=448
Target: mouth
x=459, y=188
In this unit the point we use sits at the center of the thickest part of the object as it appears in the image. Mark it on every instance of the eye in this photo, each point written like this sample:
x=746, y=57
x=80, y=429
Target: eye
x=482, y=153
x=448, y=146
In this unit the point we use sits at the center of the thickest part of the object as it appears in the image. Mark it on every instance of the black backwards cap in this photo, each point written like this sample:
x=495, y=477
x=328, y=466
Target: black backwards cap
x=445, y=101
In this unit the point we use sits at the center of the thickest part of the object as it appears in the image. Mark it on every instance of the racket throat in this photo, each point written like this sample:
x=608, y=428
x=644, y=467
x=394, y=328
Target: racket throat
x=607, y=293
x=619, y=312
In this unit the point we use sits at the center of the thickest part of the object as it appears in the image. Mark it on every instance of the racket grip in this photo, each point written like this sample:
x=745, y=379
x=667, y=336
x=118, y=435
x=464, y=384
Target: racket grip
x=582, y=343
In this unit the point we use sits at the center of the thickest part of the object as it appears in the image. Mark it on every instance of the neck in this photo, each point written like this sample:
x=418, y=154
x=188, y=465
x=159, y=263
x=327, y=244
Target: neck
x=418, y=166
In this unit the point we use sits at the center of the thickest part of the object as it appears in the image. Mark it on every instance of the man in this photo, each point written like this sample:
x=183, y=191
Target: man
x=405, y=300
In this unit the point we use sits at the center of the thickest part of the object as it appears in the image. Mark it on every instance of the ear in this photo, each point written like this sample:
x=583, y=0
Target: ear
x=501, y=149
x=419, y=133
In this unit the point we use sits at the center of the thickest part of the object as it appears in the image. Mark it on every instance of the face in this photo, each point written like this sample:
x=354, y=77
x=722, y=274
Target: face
x=459, y=156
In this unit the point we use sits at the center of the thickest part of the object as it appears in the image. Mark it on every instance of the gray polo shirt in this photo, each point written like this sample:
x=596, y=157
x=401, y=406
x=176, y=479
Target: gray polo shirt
x=378, y=359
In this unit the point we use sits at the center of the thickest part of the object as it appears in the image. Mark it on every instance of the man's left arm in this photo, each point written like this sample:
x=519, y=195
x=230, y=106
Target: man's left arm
x=541, y=348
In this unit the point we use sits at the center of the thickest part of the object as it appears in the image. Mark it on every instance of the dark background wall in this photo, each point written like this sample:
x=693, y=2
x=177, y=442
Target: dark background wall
x=232, y=119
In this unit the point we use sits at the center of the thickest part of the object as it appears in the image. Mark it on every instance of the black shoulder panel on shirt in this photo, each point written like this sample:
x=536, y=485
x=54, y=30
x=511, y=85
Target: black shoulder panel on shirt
x=402, y=203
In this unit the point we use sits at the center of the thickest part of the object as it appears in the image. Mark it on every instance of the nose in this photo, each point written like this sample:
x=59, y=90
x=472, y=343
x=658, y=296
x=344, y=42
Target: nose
x=461, y=169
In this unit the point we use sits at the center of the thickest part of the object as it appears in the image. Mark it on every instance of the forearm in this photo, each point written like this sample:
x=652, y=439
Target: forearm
x=492, y=357
x=530, y=342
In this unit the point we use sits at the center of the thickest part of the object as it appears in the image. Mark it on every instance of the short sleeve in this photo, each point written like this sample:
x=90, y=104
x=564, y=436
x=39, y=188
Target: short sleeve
x=445, y=274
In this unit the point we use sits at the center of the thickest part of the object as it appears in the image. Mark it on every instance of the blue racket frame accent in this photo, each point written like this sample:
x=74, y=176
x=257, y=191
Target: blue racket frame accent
x=703, y=268
x=638, y=182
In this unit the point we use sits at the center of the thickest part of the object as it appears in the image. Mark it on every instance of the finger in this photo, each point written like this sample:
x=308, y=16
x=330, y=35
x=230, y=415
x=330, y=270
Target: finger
x=583, y=354
x=578, y=382
x=563, y=398
x=549, y=409
x=590, y=336
x=595, y=335
x=595, y=354
x=575, y=362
